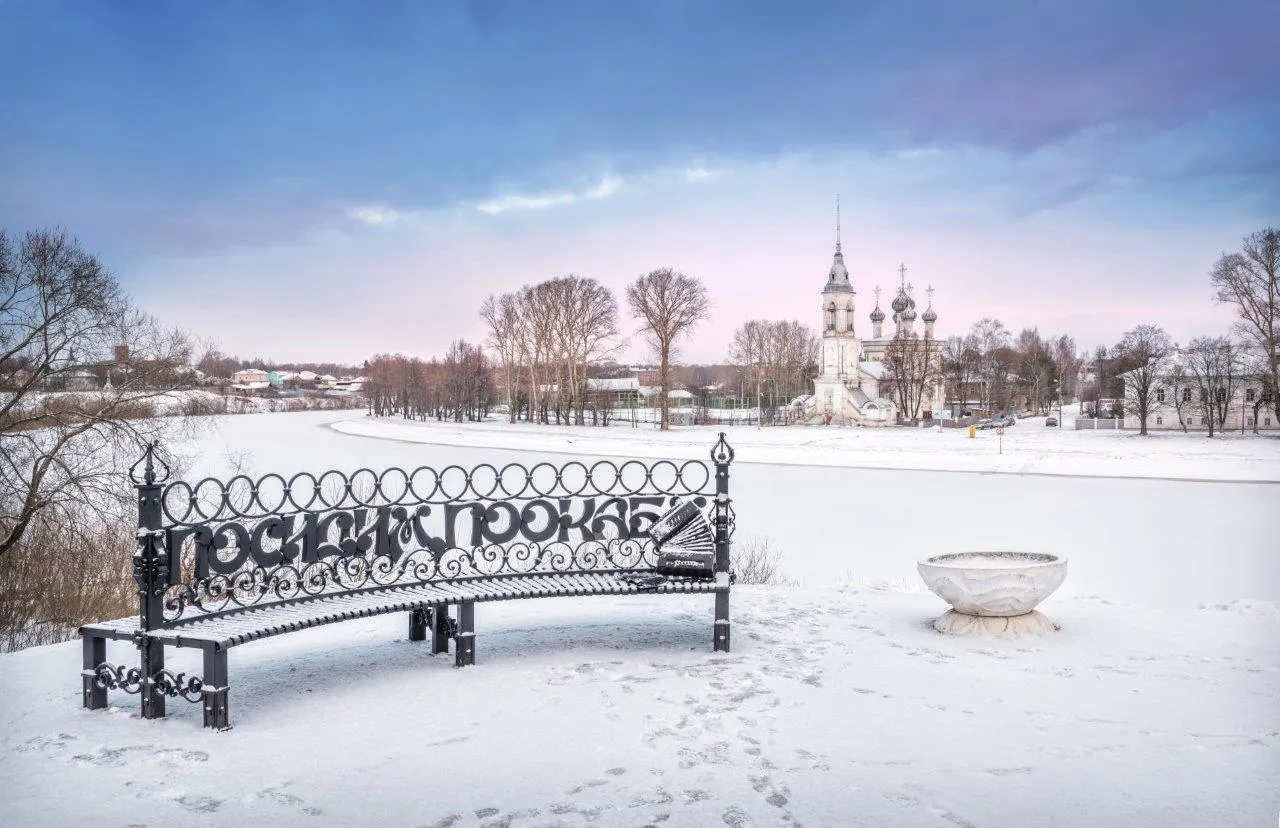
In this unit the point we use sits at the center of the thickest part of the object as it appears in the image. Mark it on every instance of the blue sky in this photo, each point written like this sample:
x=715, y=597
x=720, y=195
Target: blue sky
x=325, y=180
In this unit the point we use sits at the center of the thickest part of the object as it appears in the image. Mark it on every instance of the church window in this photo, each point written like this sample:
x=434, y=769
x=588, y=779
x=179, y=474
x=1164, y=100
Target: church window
x=831, y=317
x=1186, y=395
x=1159, y=420
x=1160, y=395
x=1248, y=395
x=1222, y=395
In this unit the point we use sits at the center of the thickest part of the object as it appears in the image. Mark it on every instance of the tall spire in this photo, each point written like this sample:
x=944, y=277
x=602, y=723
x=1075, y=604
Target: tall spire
x=838, y=276
x=837, y=222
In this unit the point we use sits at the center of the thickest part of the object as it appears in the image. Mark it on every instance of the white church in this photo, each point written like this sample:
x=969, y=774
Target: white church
x=855, y=386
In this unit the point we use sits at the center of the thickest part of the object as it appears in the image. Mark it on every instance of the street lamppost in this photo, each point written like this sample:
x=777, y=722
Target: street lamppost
x=760, y=401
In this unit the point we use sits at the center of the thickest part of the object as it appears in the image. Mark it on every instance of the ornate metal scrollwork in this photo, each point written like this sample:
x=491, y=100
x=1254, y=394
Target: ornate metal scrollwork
x=217, y=546
x=130, y=680
x=190, y=688
x=117, y=677
x=147, y=476
x=151, y=563
x=722, y=452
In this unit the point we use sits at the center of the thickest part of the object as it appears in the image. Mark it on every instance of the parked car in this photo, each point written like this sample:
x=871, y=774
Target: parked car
x=1051, y=421
x=983, y=425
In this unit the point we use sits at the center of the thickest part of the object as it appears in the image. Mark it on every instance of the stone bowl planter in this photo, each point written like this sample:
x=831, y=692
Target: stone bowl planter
x=993, y=592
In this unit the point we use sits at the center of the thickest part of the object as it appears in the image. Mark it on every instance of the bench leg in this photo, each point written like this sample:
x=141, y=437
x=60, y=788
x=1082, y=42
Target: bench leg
x=721, y=644
x=441, y=629
x=465, y=644
x=418, y=624
x=95, y=653
x=152, y=663
x=216, y=710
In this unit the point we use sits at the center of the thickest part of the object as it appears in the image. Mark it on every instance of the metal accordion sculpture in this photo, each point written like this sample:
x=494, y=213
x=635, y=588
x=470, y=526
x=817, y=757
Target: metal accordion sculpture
x=686, y=544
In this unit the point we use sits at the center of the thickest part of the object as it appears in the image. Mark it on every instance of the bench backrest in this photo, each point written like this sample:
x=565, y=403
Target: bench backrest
x=221, y=546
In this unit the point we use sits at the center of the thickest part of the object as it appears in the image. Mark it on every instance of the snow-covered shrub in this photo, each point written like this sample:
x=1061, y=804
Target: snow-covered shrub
x=756, y=561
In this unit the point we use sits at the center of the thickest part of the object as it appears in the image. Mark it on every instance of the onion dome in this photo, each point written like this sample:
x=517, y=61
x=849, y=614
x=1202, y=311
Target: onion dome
x=901, y=302
x=877, y=315
x=908, y=315
x=929, y=315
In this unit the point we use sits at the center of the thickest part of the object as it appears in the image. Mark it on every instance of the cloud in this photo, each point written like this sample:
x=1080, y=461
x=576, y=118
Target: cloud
x=375, y=214
x=514, y=202
x=697, y=174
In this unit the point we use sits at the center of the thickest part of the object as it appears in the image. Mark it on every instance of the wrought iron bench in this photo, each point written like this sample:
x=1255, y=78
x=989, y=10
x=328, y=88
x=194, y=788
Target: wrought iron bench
x=225, y=563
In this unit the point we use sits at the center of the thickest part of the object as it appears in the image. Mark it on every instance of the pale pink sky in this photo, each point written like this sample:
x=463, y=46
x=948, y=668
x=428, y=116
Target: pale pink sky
x=985, y=229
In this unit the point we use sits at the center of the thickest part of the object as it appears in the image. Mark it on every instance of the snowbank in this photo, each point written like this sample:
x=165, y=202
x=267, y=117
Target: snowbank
x=1028, y=448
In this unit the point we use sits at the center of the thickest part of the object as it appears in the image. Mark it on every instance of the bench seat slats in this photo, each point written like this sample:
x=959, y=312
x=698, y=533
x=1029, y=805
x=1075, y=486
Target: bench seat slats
x=242, y=626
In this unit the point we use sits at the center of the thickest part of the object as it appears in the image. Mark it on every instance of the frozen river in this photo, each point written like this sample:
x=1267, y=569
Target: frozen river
x=1155, y=542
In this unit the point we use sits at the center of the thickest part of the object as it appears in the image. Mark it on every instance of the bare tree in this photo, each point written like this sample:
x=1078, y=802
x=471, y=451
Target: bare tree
x=65, y=325
x=776, y=352
x=1067, y=364
x=991, y=339
x=912, y=365
x=959, y=366
x=1214, y=365
x=1181, y=391
x=1034, y=367
x=502, y=315
x=1248, y=280
x=668, y=304
x=1147, y=349
x=588, y=332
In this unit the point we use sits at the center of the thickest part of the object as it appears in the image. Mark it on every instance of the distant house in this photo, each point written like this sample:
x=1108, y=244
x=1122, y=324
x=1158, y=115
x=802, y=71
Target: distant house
x=1180, y=401
x=351, y=385
x=621, y=392
x=326, y=381
x=78, y=379
x=677, y=397
x=250, y=375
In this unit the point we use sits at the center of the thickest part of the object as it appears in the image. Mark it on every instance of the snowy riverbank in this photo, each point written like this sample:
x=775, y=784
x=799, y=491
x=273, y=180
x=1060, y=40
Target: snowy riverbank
x=1028, y=448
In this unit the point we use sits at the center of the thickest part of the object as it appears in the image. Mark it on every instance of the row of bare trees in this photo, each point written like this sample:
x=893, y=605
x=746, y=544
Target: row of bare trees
x=992, y=368
x=547, y=336
x=780, y=354
x=457, y=387
x=1201, y=383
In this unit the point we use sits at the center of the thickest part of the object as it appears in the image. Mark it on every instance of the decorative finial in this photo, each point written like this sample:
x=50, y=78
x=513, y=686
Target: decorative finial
x=929, y=290
x=902, y=275
x=143, y=472
x=877, y=296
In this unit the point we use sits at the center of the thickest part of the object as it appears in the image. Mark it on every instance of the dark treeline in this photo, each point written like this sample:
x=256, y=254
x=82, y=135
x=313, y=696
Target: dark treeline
x=457, y=387
x=214, y=363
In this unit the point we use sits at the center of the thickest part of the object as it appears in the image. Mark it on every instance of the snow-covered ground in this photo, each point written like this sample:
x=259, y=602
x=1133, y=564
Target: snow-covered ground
x=1157, y=703
x=1028, y=448
x=836, y=707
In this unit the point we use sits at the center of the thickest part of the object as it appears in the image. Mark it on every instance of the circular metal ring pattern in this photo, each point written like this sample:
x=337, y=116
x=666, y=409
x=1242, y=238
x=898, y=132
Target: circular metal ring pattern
x=245, y=498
